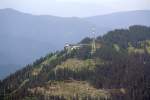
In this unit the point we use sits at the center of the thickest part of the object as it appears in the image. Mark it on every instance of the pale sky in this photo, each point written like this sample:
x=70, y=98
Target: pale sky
x=75, y=8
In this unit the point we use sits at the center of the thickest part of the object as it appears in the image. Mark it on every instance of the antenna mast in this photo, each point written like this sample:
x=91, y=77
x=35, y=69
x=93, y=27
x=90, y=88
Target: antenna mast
x=93, y=45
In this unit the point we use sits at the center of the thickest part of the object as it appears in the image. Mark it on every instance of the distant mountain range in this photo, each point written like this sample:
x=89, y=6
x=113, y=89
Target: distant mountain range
x=121, y=19
x=25, y=37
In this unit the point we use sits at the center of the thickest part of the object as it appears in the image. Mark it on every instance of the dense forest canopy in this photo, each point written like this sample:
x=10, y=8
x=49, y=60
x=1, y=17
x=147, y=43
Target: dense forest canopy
x=118, y=70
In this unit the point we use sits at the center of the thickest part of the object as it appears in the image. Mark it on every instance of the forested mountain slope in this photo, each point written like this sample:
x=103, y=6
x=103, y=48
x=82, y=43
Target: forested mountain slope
x=118, y=70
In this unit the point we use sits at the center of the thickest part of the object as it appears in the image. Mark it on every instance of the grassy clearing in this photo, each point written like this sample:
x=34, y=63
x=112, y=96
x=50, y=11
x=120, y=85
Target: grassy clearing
x=78, y=65
x=69, y=89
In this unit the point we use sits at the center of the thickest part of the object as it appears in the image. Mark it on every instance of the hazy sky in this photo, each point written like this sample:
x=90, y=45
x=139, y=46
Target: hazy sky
x=78, y=8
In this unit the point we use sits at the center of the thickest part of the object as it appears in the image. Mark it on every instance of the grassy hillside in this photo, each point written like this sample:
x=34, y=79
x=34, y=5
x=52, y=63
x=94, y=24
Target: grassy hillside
x=70, y=89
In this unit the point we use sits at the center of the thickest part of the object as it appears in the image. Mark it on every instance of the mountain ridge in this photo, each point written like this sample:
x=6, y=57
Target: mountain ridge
x=131, y=11
x=39, y=34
